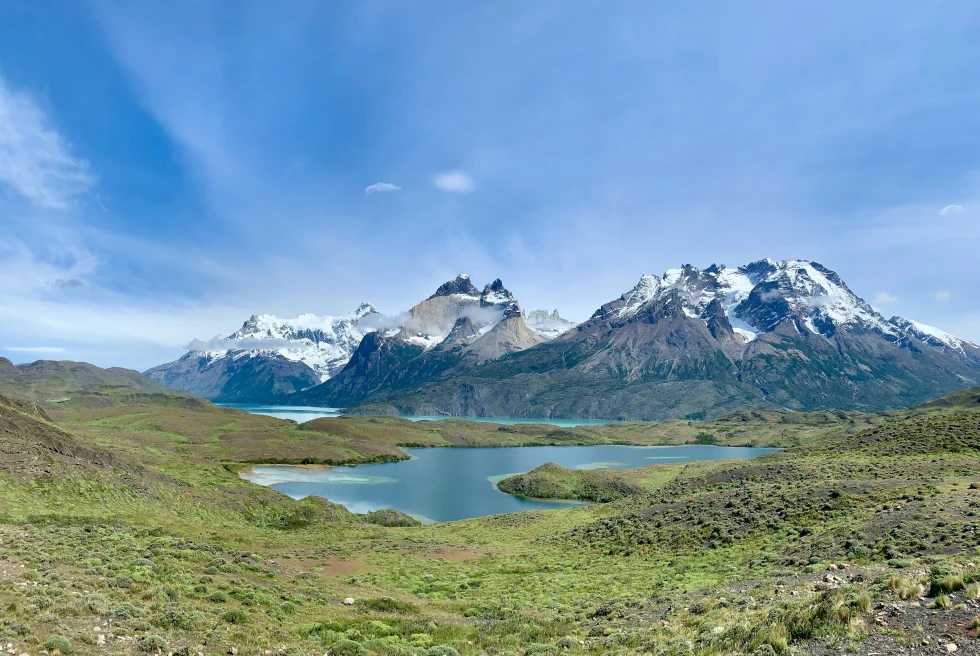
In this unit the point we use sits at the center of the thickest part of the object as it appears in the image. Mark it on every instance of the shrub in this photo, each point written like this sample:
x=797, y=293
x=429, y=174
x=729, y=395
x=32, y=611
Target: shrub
x=942, y=601
x=175, y=617
x=705, y=438
x=125, y=611
x=442, y=650
x=59, y=644
x=235, y=617
x=346, y=647
x=153, y=643
x=388, y=605
x=973, y=591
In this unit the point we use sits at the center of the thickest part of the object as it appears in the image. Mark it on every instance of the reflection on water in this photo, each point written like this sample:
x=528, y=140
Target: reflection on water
x=444, y=484
x=301, y=414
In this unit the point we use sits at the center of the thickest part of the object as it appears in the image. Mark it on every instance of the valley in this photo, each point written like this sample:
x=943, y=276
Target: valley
x=125, y=511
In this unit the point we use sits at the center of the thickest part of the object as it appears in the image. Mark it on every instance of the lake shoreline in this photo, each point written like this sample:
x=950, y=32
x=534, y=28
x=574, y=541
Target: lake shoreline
x=453, y=483
x=249, y=470
x=310, y=413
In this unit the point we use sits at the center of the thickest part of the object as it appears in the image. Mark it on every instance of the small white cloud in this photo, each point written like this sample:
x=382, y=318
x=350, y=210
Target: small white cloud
x=884, y=298
x=950, y=209
x=942, y=295
x=34, y=349
x=454, y=182
x=381, y=188
x=34, y=158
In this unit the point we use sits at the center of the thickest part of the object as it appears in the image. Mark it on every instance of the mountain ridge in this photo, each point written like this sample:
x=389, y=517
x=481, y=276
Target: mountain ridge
x=698, y=343
x=268, y=358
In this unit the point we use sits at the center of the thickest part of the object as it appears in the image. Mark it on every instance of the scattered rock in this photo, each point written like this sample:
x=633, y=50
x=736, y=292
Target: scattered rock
x=951, y=647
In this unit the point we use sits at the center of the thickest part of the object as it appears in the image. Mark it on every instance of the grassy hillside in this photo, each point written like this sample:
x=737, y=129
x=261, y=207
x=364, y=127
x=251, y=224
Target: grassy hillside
x=53, y=381
x=126, y=518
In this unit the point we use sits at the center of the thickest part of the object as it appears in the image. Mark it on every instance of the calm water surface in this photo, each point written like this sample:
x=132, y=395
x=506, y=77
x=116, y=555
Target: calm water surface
x=301, y=414
x=444, y=484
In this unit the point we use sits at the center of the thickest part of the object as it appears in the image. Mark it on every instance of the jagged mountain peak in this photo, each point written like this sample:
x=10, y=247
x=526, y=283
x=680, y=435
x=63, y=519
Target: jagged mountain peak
x=757, y=297
x=461, y=285
x=547, y=325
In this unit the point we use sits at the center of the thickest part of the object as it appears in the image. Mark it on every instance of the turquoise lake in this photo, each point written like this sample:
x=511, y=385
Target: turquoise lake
x=445, y=484
x=301, y=414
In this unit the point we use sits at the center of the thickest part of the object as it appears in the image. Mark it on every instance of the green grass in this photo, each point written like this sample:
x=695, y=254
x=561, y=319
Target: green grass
x=163, y=543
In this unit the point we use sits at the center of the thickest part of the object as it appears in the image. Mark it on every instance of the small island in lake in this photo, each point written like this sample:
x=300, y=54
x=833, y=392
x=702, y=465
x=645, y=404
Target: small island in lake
x=552, y=481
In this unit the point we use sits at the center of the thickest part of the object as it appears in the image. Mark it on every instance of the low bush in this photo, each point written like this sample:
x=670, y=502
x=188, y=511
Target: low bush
x=60, y=644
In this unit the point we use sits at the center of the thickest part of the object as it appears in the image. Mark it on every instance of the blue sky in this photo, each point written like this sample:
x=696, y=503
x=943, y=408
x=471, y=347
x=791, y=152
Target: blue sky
x=167, y=169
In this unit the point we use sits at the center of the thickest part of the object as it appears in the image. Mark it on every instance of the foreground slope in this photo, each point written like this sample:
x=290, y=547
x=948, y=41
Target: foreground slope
x=720, y=557
x=713, y=557
x=695, y=343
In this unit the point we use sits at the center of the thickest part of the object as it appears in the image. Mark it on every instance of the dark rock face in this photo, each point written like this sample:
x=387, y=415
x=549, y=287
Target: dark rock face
x=376, y=364
x=460, y=285
x=251, y=378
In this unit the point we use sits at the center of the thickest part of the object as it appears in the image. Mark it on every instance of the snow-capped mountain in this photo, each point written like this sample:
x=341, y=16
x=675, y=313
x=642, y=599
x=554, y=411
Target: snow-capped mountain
x=434, y=319
x=548, y=325
x=688, y=343
x=268, y=357
x=457, y=326
x=697, y=343
x=757, y=297
x=323, y=343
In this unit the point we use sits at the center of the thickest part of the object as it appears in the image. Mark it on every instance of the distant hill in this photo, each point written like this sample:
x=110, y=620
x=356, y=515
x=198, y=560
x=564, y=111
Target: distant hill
x=57, y=380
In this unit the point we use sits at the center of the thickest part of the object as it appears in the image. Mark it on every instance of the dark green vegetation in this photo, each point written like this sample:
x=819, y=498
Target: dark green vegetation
x=552, y=481
x=128, y=517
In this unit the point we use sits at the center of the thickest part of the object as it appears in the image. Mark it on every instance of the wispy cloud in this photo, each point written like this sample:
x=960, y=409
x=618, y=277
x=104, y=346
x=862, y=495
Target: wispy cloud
x=942, y=295
x=381, y=188
x=950, y=209
x=34, y=158
x=884, y=298
x=34, y=349
x=454, y=182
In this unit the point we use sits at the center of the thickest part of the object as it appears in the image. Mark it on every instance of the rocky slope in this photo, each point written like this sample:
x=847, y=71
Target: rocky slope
x=697, y=343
